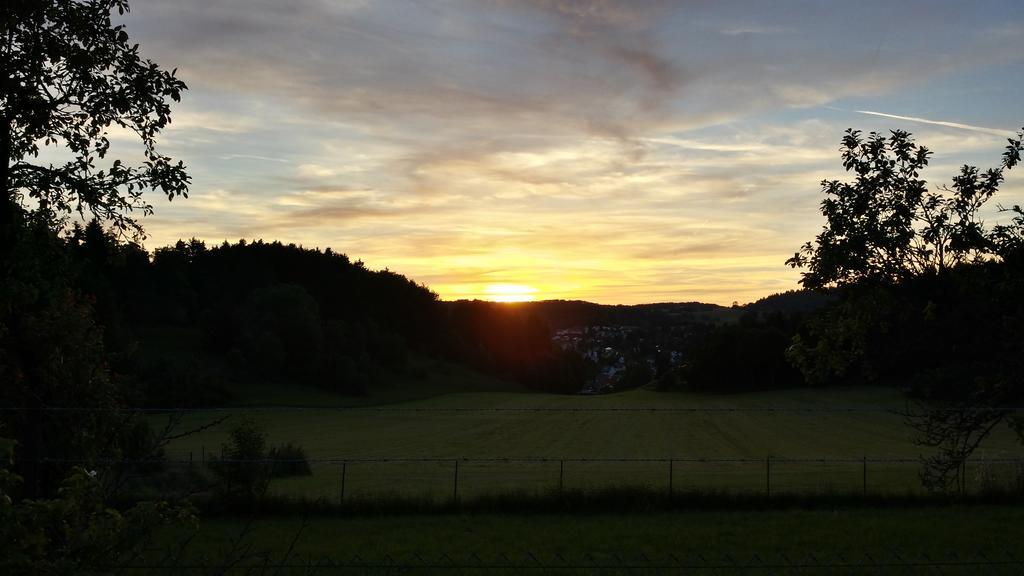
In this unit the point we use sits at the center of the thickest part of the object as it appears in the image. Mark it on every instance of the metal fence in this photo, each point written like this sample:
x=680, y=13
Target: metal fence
x=342, y=479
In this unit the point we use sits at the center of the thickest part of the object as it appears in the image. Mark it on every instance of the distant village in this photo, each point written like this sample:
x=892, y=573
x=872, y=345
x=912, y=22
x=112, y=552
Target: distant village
x=628, y=356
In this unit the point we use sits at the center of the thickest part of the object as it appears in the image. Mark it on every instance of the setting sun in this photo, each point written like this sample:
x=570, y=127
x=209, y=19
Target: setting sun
x=510, y=293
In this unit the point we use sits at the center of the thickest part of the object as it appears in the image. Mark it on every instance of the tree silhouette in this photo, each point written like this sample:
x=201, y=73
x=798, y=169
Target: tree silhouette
x=886, y=226
x=70, y=76
x=928, y=294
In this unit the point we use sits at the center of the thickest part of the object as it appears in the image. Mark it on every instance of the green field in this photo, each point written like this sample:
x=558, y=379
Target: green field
x=718, y=539
x=446, y=430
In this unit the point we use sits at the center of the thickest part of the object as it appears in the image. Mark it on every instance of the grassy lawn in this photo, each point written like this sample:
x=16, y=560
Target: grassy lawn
x=441, y=419
x=369, y=434
x=711, y=537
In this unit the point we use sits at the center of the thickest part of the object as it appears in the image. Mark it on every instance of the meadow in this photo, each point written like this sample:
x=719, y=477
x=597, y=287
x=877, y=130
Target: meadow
x=405, y=440
x=889, y=541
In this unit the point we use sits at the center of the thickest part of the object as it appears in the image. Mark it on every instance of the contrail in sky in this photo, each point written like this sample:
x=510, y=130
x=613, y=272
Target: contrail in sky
x=982, y=129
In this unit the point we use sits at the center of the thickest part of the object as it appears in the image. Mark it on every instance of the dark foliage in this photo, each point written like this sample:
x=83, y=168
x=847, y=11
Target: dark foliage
x=886, y=227
x=928, y=297
x=575, y=313
x=194, y=317
x=793, y=302
x=52, y=354
x=511, y=341
x=70, y=76
x=745, y=356
x=196, y=320
x=288, y=460
x=76, y=532
x=242, y=469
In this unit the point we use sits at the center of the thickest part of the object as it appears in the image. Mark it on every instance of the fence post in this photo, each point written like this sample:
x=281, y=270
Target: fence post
x=204, y=454
x=455, y=484
x=963, y=474
x=959, y=480
x=561, y=476
x=670, y=466
x=768, y=475
x=35, y=451
x=865, y=475
x=341, y=493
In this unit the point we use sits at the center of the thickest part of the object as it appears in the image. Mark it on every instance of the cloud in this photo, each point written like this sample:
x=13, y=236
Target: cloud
x=253, y=157
x=618, y=151
x=543, y=68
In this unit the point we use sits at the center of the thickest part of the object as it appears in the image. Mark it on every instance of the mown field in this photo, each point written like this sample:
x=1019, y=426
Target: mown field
x=889, y=541
x=501, y=424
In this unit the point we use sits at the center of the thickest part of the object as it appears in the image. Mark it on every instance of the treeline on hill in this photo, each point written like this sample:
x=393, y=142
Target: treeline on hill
x=943, y=336
x=193, y=317
x=576, y=313
x=752, y=352
x=514, y=341
x=723, y=349
x=929, y=335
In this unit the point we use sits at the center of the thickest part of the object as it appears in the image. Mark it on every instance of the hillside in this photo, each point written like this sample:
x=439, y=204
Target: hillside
x=560, y=314
x=193, y=324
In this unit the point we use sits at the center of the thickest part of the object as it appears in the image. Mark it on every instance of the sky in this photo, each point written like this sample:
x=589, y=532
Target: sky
x=617, y=152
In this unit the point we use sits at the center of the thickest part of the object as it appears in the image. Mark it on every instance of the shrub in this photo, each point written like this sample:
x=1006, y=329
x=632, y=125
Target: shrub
x=243, y=468
x=288, y=460
x=76, y=532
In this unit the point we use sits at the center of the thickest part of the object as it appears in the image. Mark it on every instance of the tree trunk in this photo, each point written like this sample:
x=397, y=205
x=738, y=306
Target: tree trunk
x=7, y=234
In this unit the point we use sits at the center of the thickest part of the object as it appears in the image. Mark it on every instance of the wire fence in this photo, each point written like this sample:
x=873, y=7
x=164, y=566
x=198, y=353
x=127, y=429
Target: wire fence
x=345, y=476
x=343, y=479
x=354, y=477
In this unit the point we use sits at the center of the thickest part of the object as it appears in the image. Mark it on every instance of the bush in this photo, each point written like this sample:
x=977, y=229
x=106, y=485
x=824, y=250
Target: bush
x=741, y=358
x=76, y=532
x=171, y=381
x=288, y=460
x=242, y=470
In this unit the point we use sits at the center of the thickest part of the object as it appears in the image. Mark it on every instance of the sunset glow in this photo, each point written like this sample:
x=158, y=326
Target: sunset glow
x=617, y=152
x=510, y=293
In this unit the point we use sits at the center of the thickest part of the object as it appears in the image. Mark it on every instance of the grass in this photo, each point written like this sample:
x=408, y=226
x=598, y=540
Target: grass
x=425, y=378
x=355, y=434
x=711, y=537
x=638, y=520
